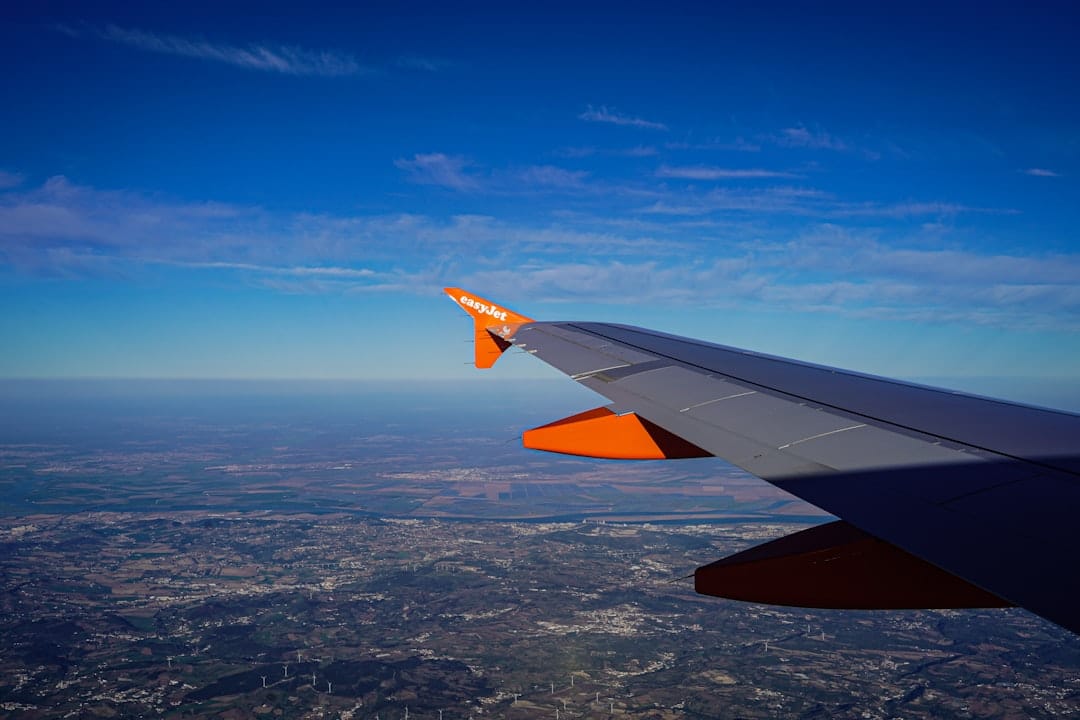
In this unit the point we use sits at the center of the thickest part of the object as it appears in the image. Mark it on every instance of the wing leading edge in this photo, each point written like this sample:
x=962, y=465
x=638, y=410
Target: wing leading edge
x=947, y=499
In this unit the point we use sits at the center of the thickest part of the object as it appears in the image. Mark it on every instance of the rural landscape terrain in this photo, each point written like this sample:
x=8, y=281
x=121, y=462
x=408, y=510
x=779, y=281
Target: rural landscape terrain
x=272, y=555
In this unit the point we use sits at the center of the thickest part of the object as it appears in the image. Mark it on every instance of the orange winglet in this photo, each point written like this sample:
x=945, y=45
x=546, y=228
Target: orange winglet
x=491, y=323
x=601, y=433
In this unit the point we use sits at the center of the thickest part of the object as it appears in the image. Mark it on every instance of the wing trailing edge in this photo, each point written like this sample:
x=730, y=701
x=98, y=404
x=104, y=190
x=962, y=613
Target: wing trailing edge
x=838, y=566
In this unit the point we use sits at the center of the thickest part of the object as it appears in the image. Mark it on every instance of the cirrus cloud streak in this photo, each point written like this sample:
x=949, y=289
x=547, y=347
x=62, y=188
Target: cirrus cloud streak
x=62, y=229
x=285, y=59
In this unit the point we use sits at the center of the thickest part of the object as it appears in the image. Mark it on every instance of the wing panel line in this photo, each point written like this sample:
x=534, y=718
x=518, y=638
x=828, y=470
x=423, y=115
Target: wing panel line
x=821, y=435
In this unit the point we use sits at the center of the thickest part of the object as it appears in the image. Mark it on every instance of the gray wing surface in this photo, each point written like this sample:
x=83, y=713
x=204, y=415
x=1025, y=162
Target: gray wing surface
x=984, y=489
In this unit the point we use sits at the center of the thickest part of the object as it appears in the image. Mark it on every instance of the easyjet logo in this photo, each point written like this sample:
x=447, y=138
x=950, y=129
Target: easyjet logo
x=483, y=309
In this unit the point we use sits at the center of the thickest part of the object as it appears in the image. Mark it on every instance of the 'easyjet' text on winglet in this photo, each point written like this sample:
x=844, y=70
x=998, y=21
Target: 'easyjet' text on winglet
x=483, y=308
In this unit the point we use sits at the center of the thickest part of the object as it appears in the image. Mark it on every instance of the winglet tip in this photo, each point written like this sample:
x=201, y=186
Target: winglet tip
x=486, y=314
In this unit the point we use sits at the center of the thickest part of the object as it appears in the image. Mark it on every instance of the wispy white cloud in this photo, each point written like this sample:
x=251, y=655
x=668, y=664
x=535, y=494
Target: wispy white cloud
x=588, y=151
x=622, y=282
x=581, y=151
x=439, y=169
x=1040, y=172
x=739, y=144
x=604, y=115
x=824, y=270
x=104, y=218
x=802, y=137
x=61, y=229
x=636, y=151
x=286, y=59
x=10, y=179
x=709, y=172
x=913, y=209
x=318, y=271
x=418, y=62
x=775, y=200
x=783, y=201
x=61, y=222
x=552, y=176
x=459, y=173
x=803, y=201
x=857, y=273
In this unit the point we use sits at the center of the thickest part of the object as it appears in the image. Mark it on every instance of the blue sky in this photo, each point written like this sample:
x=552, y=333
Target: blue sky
x=267, y=191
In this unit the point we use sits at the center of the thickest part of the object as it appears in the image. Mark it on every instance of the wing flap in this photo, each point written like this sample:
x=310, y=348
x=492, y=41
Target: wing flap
x=682, y=389
x=837, y=566
x=774, y=422
x=1001, y=548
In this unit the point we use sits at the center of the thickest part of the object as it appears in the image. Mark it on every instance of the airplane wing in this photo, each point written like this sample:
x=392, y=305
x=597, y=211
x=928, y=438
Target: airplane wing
x=946, y=499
